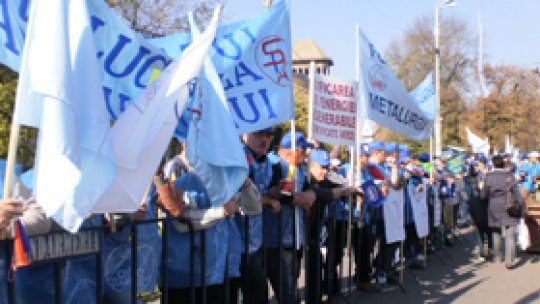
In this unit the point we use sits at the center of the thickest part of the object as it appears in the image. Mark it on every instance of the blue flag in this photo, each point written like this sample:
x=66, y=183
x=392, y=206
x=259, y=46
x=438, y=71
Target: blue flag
x=424, y=95
x=252, y=57
x=254, y=63
x=211, y=130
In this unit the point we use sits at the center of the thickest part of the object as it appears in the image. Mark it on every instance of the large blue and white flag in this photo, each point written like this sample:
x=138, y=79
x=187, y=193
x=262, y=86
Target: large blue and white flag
x=126, y=59
x=212, y=128
x=142, y=133
x=424, y=95
x=385, y=99
x=60, y=93
x=253, y=60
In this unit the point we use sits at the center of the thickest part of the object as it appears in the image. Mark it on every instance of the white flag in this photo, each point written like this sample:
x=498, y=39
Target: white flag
x=142, y=133
x=60, y=93
x=478, y=145
x=384, y=98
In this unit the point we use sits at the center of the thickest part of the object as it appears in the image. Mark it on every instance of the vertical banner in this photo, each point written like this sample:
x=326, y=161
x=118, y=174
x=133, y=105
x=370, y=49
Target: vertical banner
x=420, y=209
x=393, y=216
x=334, y=110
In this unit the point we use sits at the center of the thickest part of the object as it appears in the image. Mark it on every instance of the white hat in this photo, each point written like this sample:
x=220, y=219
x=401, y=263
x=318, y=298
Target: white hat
x=533, y=154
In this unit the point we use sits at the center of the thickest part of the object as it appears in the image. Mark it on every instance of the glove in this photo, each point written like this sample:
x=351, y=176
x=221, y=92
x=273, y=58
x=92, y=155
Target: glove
x=168, y=198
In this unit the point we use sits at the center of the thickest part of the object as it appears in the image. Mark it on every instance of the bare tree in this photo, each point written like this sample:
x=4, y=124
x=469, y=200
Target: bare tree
x=412, y=57
x=155, y=18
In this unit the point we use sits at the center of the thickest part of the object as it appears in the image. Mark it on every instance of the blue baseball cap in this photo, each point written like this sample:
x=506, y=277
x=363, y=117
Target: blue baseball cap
x=320, y=157
x=391, y=147
x=403, y=149
x=375, y=145
x=300, y=141
x=521, y=156
x=424, y=157
x=364, y=149
x=403, y=154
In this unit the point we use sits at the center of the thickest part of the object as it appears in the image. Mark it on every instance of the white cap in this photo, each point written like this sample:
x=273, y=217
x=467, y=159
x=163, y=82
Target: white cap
x=533, y=154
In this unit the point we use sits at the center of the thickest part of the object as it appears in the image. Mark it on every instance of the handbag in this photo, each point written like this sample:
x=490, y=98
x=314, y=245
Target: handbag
x=514, y=208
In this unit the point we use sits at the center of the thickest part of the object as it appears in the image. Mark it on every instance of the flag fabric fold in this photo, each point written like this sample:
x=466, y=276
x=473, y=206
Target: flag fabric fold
x=60, y=93
x=211, y=129
x=142, y=133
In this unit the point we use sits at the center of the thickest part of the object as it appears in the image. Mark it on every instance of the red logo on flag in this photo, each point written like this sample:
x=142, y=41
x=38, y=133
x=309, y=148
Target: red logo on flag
x=271, y=57
x=377, y=78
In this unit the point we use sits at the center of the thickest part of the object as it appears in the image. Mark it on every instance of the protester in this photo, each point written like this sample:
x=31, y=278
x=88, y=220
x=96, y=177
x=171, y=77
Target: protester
x=478, y=210
x=187, y=196
x=254, y=286
x=290, y=187
x=336, y=190
x=365, y=242
x=495, y=189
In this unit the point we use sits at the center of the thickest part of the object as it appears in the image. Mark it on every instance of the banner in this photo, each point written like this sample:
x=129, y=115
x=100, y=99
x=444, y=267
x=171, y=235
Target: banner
x=385, y=99
x=420, y=209
x=252, y=57
x=393, y=216
x=334, y=110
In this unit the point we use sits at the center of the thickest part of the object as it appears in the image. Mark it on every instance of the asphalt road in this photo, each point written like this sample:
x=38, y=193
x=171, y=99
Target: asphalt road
x=455, y=275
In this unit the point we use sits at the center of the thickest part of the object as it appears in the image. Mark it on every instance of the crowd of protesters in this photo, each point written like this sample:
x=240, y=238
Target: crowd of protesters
x=296, y=207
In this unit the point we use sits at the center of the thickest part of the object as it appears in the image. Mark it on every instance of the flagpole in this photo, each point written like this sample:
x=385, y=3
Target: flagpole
x=438, y=118
x=10, y=165
x=311, y=98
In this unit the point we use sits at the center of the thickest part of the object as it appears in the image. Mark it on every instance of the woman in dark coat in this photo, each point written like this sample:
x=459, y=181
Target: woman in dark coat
x=495, y=189
x=478, y=210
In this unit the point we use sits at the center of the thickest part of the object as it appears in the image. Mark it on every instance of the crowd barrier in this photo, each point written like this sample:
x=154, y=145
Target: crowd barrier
x=89, y=242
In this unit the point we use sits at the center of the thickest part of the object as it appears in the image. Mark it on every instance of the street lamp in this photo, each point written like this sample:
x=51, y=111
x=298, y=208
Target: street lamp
x=438, y=119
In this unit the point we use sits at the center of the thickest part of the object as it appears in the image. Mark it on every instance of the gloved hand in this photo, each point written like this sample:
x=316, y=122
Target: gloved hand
x=168, y=197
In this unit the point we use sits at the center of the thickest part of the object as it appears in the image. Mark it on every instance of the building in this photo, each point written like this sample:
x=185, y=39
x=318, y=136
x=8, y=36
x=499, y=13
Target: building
x=305, y=51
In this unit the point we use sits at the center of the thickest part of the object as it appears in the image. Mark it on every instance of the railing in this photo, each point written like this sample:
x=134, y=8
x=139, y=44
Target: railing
x=46, y=255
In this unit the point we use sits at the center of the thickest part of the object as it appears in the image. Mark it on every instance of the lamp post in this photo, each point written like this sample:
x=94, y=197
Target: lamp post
x=438, y=119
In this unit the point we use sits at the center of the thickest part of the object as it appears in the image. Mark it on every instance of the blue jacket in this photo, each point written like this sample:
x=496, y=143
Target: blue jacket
x=287, y=214
x=261, y=175
x=221, y=240
x=117, y=256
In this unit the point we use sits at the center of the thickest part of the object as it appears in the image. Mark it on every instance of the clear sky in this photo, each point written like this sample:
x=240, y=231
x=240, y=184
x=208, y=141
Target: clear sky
x=511, y=27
